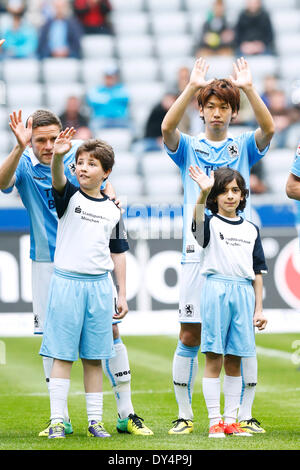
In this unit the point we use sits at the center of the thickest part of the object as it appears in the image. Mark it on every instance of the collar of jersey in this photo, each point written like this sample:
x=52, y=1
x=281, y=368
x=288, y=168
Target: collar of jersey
x=233, y=222
x=104, y=198
x=202, y=136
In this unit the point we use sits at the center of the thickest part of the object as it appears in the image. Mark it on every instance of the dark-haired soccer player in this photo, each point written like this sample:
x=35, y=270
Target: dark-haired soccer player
x=231, y=300
x=219, y=102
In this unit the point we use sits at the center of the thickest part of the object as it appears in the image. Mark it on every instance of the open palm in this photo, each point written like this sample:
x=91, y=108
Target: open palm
x=198, y=74
x=205, y=182
x=63, y=141
x=241, y=77
x=23, y=134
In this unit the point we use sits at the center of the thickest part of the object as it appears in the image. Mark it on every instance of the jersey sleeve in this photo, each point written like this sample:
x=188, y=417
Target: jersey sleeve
x=62, y=200
x=118, y=240
x=178, y=156
x=295, y=170
x=259, y=262
x=201, y=231
x=254, y=154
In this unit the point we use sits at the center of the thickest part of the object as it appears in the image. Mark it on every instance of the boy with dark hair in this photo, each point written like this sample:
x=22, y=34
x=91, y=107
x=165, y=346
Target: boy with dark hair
x=231, y=297
x=80, y=302
x=218, y=106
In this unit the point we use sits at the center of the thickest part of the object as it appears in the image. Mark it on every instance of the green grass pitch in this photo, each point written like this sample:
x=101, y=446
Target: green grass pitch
x=24, y=409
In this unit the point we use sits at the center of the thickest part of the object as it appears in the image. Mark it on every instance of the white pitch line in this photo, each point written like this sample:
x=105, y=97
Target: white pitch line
x=273, y=353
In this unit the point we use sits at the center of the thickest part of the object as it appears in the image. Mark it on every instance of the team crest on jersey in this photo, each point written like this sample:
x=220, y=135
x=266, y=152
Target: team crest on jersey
x=189, y=310
x=72, y=168
x=298, y=152
x=233, y=150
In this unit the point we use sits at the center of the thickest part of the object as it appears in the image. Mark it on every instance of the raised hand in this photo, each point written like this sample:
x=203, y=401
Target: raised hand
x=63, y=142
x=241, y=77
x=198, y=74
x=23, y=134
x=205, y=182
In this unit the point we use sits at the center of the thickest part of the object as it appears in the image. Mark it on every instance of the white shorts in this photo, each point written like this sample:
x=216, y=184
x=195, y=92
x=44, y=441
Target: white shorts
x=190, y=285
x=41, y=278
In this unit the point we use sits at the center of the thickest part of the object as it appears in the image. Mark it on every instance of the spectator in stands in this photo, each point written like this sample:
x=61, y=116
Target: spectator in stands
x=254, y=31
x=109, y=102
x=257, y=175
x=60, y=36
x=152, y=140
x=94, y=15
x=282, y=114
x=217, y=36
x=21, y=37
x=73, y=116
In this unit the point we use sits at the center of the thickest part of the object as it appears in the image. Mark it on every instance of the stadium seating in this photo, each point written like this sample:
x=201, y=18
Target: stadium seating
x=152, y=40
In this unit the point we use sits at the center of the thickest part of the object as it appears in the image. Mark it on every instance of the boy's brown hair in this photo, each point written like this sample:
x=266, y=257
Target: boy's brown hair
x=224, y=176
x=100, y=150
x=223, y=89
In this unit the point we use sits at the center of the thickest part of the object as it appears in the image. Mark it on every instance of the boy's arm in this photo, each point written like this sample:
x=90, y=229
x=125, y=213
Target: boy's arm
x=170, y=133
x=119, y=260
x=61, y=147
x=23, y=135
x=243, y=79
x=258, y=318
x=293, y=187
x=205, y=184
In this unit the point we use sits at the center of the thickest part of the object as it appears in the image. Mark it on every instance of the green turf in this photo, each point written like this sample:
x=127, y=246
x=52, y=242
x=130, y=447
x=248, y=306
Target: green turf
x=24, y=408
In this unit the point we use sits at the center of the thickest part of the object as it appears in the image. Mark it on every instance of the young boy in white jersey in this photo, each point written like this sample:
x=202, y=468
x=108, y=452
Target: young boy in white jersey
x=231, y=296
x=219, y=102
x=27, y=167
x=80, y=305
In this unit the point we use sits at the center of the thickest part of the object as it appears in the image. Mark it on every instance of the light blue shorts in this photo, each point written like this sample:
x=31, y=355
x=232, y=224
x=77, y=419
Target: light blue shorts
x=227, y=309
x=78, y=318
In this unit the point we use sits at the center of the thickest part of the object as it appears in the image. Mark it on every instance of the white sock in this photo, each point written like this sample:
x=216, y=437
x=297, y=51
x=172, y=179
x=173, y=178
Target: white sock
x=47, y=364
x=117, y=370
x=58, y=390
x=185, y=368
x=94, y=406
x=249, y=375
x=211, y=388
x=232, y=391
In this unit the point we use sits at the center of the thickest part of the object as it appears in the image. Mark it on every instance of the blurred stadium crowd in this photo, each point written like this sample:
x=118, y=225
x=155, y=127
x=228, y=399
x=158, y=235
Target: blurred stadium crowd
x=112, y=69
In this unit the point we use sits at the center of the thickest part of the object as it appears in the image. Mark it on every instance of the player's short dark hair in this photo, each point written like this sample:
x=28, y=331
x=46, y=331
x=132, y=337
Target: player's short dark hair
x=224, y=176
x=223, y=89
x=44, y=117
x=100, y=150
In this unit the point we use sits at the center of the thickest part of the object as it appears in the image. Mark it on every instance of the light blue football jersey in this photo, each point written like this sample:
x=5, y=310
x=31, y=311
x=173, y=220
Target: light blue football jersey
x=34, y=183
x=239, y=153
x=296, y=171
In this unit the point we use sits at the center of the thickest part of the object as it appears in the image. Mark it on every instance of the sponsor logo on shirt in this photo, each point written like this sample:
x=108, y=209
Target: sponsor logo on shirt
x=78, y=210
x=40, y=178
x=298, y=151
x=221, y=236
x=233, y=150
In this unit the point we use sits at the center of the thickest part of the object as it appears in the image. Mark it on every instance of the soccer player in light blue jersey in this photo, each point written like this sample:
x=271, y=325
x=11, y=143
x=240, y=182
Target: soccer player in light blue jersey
x=219, y=102
x=28, y=169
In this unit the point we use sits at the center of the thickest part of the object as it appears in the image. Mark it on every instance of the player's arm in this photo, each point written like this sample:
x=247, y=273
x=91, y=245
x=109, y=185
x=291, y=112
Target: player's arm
x=23, y=136
x=259, y=320
x=62, y=146
x=205, y=184
x=293, y=187
x=170, y=132
x=119, y=260
x=242, y=78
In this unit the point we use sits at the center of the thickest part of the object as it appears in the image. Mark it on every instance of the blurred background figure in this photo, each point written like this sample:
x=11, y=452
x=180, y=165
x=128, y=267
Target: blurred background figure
x=73, y=116
x=60, y=35
x=254, y=32
x=94, y=15
x=217, y=36
x=152, y=138
x=108, y=102
x=21, y=38
x=282, y=113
